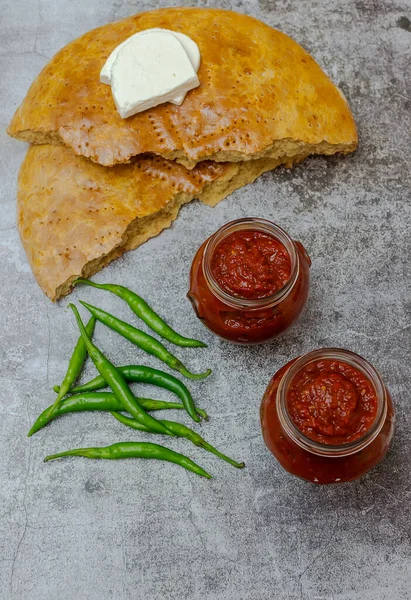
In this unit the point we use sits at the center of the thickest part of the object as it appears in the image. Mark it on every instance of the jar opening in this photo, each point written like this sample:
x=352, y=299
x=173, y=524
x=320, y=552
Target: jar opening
x=350, y=359
x=253, y=224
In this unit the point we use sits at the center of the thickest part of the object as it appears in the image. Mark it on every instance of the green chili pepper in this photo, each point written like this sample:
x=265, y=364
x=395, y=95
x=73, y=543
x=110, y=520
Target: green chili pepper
x=134, y=450
x=117, y=383
x=142, y=374
x=105, y=401
x=145, y=313
x=180, y=430
x=144, y=341
x=73, y=370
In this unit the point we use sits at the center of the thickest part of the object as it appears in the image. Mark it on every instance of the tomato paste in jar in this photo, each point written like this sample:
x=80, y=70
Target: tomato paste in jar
x=249, y=282
x=327, y=417
x=251, y=264
x=332, y=402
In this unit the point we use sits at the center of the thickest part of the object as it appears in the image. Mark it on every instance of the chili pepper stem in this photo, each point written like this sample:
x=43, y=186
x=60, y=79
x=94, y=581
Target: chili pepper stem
x=86, y=452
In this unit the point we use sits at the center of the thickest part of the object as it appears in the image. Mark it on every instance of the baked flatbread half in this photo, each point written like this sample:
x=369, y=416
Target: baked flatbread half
x=260, y=95
x=74, y=216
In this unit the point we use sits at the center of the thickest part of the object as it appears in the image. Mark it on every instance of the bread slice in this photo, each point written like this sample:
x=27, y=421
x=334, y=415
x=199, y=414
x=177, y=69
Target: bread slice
x=261, y=95
x=74, y=216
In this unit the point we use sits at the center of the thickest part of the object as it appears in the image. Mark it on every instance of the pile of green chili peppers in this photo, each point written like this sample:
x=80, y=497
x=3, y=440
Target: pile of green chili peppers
x=88, y=397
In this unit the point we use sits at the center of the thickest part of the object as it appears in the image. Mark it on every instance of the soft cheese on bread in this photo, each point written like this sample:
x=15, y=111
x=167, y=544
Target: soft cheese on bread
x=189, y=46
x=150, y=70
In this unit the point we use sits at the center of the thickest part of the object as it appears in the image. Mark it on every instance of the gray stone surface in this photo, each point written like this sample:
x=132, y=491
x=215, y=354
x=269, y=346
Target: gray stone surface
x=83, y=530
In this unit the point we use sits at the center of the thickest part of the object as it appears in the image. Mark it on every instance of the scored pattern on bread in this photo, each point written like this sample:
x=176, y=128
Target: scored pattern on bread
x=261, y=95
x=75, y=216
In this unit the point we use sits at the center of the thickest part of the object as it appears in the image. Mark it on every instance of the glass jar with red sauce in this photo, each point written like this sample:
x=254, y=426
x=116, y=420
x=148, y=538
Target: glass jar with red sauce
x=249, y=281
x=327, y=416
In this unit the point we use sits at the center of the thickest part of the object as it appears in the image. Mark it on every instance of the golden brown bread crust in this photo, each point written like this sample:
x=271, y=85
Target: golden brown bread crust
x=261, y=95
x=75, y=216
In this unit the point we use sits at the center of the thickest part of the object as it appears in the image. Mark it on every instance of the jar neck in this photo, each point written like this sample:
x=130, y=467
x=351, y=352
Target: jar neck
x=262, y=226
x=354, y=360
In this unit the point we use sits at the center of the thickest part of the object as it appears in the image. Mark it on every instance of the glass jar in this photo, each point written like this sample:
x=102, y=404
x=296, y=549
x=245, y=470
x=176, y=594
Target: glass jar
x=325, y=463
x=249, y=320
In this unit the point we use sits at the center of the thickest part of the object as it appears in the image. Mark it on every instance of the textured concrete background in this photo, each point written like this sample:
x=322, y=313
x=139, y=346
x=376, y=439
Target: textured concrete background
x=84, y=530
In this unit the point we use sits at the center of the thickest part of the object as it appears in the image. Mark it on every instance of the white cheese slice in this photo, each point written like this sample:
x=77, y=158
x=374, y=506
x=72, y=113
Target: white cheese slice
x=188, y=44
x=150, y=70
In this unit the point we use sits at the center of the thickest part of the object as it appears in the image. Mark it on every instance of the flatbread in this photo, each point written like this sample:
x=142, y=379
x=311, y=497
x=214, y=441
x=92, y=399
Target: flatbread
x=74, y=216
x=261, y=95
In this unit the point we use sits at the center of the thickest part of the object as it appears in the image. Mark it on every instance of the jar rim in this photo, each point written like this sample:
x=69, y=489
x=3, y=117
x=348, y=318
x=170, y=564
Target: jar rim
x=254, y=223
x=354, y=360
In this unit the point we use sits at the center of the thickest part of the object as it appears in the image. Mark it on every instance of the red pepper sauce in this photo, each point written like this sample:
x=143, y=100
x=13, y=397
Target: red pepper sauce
x=310, y=466
x=251, y=264
x=240, y=324
x=332, y=402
